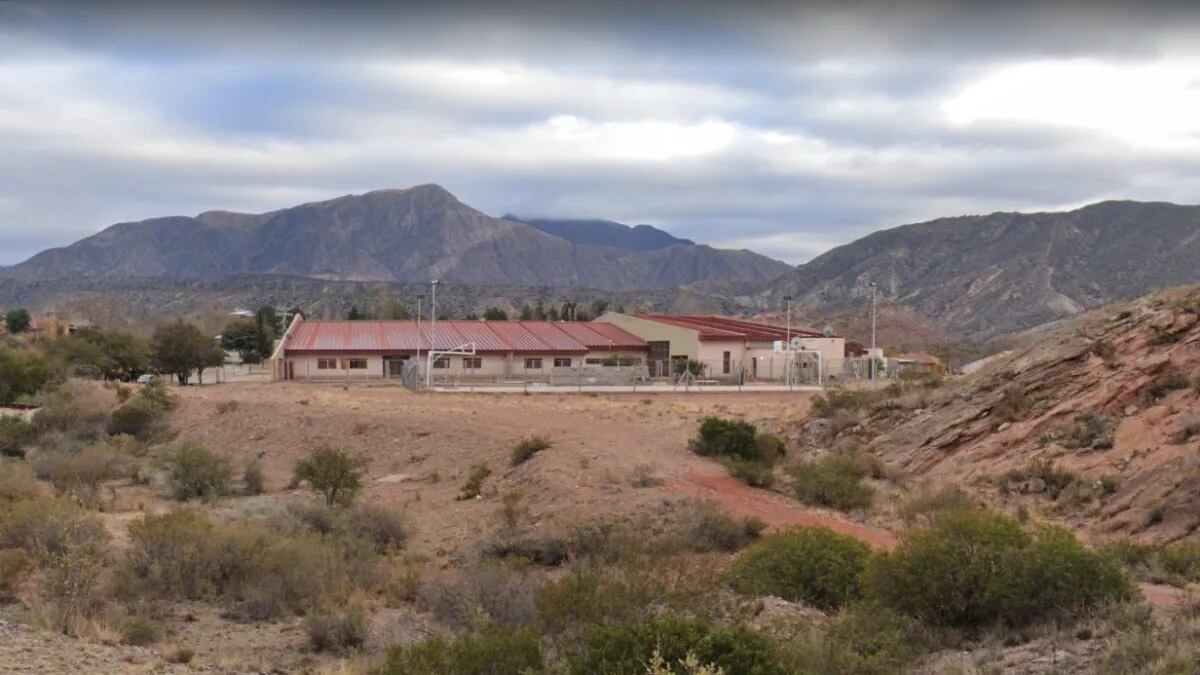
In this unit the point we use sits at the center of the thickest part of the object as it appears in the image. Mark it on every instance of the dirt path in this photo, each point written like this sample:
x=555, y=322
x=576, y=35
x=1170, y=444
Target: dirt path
x=772, y=509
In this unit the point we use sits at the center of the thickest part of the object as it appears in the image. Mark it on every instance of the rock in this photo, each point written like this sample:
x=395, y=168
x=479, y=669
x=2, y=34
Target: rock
x=1130, y=410
x=1003, y=426
x=1033, y=486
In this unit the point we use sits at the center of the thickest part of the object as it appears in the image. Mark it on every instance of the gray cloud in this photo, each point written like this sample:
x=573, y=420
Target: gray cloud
x=787, y=130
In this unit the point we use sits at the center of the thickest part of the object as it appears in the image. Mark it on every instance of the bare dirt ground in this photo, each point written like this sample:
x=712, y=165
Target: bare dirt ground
x=420, y=448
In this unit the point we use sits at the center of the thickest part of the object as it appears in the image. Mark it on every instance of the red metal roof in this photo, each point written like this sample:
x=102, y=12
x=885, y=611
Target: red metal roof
x=542, y=337
x=716, y=328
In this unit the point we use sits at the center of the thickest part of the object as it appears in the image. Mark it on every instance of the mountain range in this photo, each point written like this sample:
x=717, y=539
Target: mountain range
x=977, y=276
x=987, y=275
x=416, y=234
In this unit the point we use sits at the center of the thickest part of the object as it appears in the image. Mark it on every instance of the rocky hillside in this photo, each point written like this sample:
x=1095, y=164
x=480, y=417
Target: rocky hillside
x=416, y=234
x=1095, y=424
x=995, y=274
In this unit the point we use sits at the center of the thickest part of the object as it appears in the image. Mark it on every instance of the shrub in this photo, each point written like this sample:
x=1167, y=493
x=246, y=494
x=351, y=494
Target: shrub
x=332, y=472
x=711, y=530
x=1054, y=479
x=1186, y=432
x=474, y=484
x=138, y=418
x=1163, y=385
x=863, y=640
x=17, y=482
x=834, y=481
x=643, y=477
x=15, y=434
x=528, y=447
x=493, y=651
x=974, y=568
x=384, y=528
x=726, y=438
x=491, y=593
x=80, y=475
x=15, y=566
x=835, y=400
x=140, y=631
x=626, y=648
x=927, y=506
x=259, y=571
x=197, y=473
x=253, y=478
x=810, y=564
x=337, y=631
x=23, y=372
x=754, y=474
x=1090, y=430
x=1014, y=404
x=76, y=408
x=158, y=396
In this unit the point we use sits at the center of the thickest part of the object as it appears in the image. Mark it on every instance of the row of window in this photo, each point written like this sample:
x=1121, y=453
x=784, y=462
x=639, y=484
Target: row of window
x=475, y=362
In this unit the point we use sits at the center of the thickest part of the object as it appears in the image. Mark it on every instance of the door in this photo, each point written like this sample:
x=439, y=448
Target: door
x=395, y=366
x=658, y=357
x=291, y=370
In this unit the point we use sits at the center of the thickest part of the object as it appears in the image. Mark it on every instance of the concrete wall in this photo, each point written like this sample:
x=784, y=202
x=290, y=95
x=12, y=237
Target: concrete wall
x=491, y=367
x=684, y=341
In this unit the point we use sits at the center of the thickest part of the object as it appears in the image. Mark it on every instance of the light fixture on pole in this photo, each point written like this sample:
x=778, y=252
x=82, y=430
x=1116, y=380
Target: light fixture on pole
x=871, y=370
x=432, y=333
x=787, y=345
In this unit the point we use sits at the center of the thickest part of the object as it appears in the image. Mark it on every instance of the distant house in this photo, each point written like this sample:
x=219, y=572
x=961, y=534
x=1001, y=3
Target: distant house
x=729, y=350
x=504, y=350
x=51, y=326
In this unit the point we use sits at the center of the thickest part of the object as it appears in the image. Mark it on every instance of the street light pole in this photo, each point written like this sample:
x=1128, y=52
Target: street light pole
x=874, y=287
x=432, y=334
x=787, y=346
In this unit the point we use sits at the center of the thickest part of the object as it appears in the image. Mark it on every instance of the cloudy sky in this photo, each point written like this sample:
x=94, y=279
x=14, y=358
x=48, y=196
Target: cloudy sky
x=786, y=130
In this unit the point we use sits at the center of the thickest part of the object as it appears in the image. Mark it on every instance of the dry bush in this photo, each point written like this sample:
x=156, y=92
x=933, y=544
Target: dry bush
x=706, y=528
x=226, y=407
x=474, y=485
x=835, y=481
x=493, y=592
x=383, y=528
x=1164, y=384
x=644, y=477
x=338, y=631
x=1090, y=430
x=76, y=408
x=1014, y=404
x=259, y=571
x=17, y=482
x=528, y=447
x=925, y=507
x=15, y=567
x=1189, y=430
x=196, y=473
x=253, y=478
x=1054, y=480
x=80, y=475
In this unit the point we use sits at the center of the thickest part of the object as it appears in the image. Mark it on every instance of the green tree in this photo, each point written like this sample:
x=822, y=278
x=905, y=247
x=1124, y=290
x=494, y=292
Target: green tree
x=495, y=314
x=354, y=314
x=599, y=307
x=539, y=311
x=22, y=373
x=526, y=312
x=243, y=336
x=334, y=473
x=17, y=321
x=125, y=355
x=178, y=348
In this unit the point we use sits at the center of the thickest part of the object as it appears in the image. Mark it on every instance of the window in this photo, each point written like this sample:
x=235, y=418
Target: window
x=441, y=362
x=471, y=362
x=561, y=362
x=326, y=364
x=726, y=362
x=533, y=364
x=356, y=364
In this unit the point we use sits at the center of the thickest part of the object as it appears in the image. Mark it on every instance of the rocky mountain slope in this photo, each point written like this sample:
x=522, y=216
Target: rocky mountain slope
x=994, y=274
x=416, y=234
x=1095, y=424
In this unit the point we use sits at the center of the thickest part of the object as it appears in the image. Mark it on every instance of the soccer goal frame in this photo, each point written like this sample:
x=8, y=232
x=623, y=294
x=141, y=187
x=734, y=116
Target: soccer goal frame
x=465, y=349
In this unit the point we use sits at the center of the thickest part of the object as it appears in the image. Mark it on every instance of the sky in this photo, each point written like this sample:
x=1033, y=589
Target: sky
x=781, y=128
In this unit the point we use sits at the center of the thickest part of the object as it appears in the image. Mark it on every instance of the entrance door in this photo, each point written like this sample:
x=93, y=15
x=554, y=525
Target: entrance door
x=291, y=370
x=658, y=357
x=395, y=366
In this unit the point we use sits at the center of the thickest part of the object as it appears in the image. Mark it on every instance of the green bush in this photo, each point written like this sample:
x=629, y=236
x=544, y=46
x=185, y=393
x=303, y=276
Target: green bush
x=15, y=434
x=137, y=417
x=709, y=529
x=253, y=478
x=494, y=651
x=974, y=568
x=334, y=473
x=835, y=481
x=754, y=474
x=23, y=372
x=625, y=649
x=383, y=528
x=528, y=447
x=808, y=564
x=726, y=438
x=927, y=506
x=197, y=473
x=76, y=408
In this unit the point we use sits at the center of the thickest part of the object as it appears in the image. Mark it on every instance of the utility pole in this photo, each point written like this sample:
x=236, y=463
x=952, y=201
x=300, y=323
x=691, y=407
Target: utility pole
x=419, y=298
x=432, y=334
x=874, y=288
x=787, y=345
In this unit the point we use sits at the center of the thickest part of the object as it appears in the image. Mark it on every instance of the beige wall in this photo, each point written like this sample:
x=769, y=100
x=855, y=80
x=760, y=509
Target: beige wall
x=684, y=341
x=492, y=366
